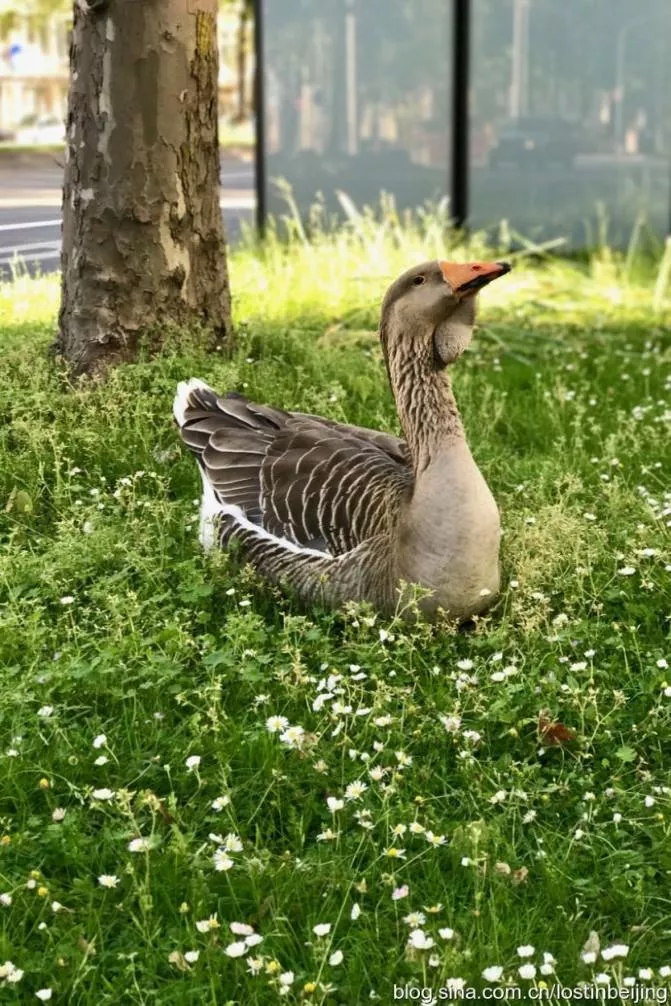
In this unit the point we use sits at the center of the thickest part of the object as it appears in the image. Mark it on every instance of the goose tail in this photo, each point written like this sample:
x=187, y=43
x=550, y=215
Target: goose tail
x=188, y=397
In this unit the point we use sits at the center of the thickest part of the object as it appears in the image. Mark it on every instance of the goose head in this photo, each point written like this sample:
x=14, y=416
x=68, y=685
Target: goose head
x=428, y=313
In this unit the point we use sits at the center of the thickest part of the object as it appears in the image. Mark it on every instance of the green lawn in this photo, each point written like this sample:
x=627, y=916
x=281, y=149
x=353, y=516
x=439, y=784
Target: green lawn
x=139, y=680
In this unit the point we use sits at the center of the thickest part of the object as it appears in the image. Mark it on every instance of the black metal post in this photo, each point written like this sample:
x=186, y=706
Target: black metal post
x=461, y=53
x=260, y=120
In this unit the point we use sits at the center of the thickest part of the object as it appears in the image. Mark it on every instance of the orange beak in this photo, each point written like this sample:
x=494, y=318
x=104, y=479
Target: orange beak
x=469, y=277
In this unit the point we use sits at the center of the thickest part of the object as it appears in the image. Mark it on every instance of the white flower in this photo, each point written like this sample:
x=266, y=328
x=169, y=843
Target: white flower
x=649, y=801
x=253, y=940
x=589, y=956
x=451, y=723
x=645, y=974
x=236, y=949
x=191, y=956
x=322, y=929
x=336, y=958
x=44, y=995
x=498, y=797
x=419, y=940
x=465, y=665
x=45, y=712
x=529, y=817
x=100, y=741
x=415, y=919
x=56, y=907
x=275, y=724
x=101, y=760
x=220, y=803
x=192, y=762
x=207, y=925
x=333, y=804
x=527, y=971
x=355, y=790
x=232, y=842
x=222, y=861
x=5, y=900
x=355, y=913
x=140, y=845
x=546, y=969
x=615, y=950
x=68, y=599
x=10, y=973
x=293, y=737
x=57, y=814
x=627, y=571
x=493, y=973
x=435, y=840
x=241, y=929
x=446, y=933
x=400, y=892
x=602, y=979
x=526, y=951
x=286, y=979
x=665, y=971
x=108, y=880
x=617, y=817
x=103, y=794
x=662, y=663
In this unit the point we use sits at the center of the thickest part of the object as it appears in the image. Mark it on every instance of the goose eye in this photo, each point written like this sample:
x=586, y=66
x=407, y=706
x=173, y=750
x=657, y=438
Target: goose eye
x=418, y=280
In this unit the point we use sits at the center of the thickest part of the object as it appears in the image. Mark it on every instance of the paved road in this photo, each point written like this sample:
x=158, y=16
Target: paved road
x=30, y=212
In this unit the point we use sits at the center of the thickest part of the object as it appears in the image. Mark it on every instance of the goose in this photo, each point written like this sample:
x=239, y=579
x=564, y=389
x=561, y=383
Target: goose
x=336, y=513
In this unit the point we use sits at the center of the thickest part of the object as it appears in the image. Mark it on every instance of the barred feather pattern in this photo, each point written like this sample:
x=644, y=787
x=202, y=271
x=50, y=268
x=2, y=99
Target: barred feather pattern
x=311, y=504
x=364, y=574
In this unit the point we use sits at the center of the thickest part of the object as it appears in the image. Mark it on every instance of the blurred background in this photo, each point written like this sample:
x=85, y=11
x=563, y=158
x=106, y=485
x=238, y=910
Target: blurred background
x=564, y=131
x=568, y=107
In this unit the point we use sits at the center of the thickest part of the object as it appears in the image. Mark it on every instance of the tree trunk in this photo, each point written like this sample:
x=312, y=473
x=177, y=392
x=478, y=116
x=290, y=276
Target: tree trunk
x=143, y=240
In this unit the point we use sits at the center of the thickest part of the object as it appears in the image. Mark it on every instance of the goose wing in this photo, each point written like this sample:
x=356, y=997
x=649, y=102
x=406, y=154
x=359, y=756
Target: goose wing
x=316, y=483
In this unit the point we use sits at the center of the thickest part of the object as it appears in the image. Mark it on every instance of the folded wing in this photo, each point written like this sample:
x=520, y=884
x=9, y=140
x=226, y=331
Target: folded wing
x=316, y=483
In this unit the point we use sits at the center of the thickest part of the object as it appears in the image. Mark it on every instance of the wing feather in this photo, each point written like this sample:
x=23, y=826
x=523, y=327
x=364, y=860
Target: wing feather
x=310, y=481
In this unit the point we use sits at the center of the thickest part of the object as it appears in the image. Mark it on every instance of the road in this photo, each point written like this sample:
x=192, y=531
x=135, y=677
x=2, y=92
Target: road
x=30, y=211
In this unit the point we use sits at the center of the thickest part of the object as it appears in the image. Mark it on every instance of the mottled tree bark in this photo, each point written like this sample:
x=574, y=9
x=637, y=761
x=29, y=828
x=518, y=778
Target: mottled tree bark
x=143, y=239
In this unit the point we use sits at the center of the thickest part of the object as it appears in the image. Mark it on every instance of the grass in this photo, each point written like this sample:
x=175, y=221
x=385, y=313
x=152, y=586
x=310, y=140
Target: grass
x=138, y=677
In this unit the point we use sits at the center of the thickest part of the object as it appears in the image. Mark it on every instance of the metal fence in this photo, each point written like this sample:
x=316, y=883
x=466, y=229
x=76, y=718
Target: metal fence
x=555, y=118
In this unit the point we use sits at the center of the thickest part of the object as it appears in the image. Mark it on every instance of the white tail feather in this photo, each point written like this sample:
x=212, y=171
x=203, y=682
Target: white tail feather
x=210, y=508
x=181, y=402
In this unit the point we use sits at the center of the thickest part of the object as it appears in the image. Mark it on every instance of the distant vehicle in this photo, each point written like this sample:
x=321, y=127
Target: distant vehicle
x=36, y=130
x=535, y=142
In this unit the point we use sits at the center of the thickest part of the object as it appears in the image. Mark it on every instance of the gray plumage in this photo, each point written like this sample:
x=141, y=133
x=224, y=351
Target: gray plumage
x=321, y=507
